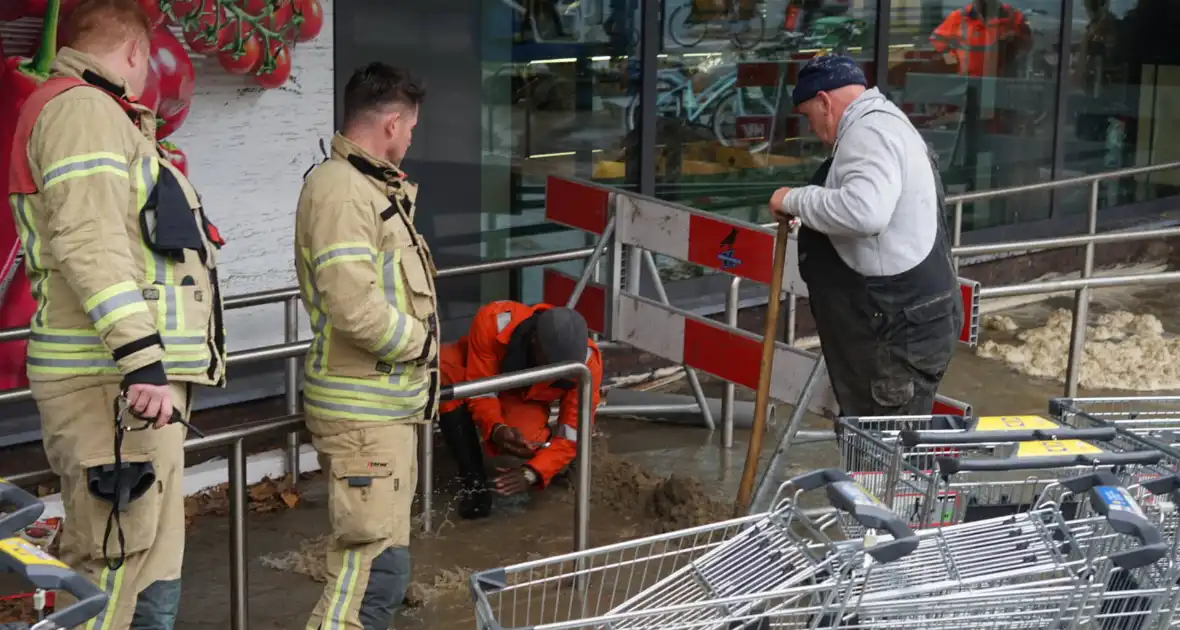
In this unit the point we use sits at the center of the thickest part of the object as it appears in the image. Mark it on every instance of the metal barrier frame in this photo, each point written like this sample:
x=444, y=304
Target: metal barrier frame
x=292, y=348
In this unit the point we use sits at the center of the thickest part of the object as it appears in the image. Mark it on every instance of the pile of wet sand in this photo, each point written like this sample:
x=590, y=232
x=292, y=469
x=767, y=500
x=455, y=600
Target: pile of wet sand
x=1123, y=350
x=661, y=504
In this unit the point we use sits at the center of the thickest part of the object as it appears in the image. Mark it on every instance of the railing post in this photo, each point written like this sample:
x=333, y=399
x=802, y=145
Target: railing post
x=236, y=492
x=426, y=473
x=792, y=317
x=291, y=385
x=731, y=319
x=1081, y=304
x=957, y=232
x=582, y=491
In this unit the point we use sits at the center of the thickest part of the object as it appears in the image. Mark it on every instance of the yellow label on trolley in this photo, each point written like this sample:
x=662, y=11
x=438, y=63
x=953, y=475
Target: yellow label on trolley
x=1055, y=447
x=28, y=554
x=1014, y=423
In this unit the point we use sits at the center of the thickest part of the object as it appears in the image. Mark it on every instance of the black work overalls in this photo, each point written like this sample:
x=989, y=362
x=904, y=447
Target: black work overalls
x=887, y=339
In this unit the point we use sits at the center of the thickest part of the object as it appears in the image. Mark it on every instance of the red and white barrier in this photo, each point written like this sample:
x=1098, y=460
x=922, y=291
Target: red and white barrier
x=557, y=287
x=713, y=348
x=728, y=245
x=735, y=247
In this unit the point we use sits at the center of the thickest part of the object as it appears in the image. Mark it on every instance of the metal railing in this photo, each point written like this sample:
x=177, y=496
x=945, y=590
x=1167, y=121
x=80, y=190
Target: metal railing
x=236, y=490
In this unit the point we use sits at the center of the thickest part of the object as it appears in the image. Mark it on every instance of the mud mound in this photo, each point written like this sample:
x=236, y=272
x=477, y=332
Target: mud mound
x=679, y=502
x=661, y=504
x=1123, y=351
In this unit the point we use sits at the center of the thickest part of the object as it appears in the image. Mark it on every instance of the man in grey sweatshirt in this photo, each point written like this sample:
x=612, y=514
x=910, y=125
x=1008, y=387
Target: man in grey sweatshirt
x=873, y=247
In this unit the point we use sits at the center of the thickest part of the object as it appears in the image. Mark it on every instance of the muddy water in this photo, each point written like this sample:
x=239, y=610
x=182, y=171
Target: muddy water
x=632, y=498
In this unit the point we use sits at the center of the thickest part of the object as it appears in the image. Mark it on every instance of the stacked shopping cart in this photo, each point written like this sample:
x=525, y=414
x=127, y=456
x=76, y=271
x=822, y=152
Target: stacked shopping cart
x=18, y=510
x=1055, y=522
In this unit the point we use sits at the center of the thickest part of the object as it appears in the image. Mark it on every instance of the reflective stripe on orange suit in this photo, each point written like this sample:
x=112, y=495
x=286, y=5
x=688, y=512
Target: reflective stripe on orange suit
x=975, y=41
x=478, y=355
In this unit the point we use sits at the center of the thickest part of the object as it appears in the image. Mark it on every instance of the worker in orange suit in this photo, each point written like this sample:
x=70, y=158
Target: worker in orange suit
x=983, y=39
x=512, y=427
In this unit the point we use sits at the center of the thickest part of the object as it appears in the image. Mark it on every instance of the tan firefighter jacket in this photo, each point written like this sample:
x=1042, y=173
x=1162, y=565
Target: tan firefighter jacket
x=367, y=281
x=121, y=258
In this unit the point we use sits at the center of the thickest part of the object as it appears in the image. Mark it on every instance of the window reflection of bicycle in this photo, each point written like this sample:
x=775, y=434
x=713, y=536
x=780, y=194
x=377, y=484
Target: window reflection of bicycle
x=743, y=22
x=717, y=107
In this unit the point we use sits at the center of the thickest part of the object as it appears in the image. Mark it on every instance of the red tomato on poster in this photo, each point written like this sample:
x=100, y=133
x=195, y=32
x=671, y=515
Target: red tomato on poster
x=312, y=16
x=169, y=124
x=208, y=33
x=245, y=52
x=151, y=90
x=276, y=73
x=154, y=12
x=174, y=69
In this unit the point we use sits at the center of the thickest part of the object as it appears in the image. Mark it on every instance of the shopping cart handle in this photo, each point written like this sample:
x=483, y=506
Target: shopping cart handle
x=911, y=439
x=953, y=466
x=48, y=573
x=1163, y=485
x=1119, y=508
x=848, y=496
x=28, y=509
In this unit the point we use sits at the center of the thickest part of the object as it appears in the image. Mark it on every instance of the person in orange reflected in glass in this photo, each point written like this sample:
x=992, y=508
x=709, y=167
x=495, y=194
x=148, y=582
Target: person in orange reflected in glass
x=983, y=39
x=524, y=450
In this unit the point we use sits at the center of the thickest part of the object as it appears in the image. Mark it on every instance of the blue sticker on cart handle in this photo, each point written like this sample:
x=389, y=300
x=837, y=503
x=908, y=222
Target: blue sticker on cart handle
x=856, y=493
x=1117, y=498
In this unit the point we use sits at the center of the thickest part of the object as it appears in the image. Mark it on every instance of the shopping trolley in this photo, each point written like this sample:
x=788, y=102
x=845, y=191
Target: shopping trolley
x=40, y=569
x=1035, y=569
x=1153, y=417
x=713, y=576
x=941, y=470
x=18, y=509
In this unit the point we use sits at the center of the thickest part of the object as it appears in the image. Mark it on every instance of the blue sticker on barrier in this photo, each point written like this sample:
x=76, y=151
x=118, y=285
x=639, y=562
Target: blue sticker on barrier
x=1117, y=498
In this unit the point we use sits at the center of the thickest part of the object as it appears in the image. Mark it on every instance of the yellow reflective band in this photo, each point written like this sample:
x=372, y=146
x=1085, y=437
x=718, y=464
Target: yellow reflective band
x=334, y=617
x=113, y=304
x=112, y=583
x=341, y=253
x=83, y=166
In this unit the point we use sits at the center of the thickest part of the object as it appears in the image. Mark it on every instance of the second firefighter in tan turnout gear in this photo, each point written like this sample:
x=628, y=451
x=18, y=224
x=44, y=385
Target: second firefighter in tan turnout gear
x=122, y=262
x=367, y=281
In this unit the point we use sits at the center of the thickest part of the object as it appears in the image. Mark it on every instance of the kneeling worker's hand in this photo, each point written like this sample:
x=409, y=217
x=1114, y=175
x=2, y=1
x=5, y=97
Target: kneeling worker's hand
x=509, y=440
x=510, y=481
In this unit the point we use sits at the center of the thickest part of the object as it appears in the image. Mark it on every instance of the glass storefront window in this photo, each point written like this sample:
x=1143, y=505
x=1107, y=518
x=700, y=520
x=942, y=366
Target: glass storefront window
x=725, y=143
x=978, y=78
x=1122, y=106
x=558, y=78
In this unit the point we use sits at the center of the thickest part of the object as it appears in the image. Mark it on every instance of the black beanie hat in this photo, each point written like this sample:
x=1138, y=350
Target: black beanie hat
x=824, y=74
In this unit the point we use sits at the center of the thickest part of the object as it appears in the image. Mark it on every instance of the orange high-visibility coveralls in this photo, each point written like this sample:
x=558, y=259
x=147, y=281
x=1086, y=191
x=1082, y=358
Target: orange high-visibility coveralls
x=983, y=47
x=479, y=355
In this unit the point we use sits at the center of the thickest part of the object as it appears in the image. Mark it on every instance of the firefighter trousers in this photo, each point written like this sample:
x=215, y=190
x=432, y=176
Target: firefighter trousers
x=372, y=472
x=79, y=434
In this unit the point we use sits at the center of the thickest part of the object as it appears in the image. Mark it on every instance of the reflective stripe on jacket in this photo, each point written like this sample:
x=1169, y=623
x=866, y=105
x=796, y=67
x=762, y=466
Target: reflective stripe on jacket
x=983, y=47
x=481, y=354
x=367, y=281
x=108, y=305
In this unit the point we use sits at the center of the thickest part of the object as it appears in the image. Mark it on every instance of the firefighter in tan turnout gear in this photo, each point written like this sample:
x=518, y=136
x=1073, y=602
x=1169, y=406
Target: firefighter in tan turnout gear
x=367, y=281
x=122, y=264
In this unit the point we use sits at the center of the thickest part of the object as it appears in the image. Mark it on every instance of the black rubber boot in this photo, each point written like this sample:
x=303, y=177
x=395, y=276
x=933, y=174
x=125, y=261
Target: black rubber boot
x=462, y=438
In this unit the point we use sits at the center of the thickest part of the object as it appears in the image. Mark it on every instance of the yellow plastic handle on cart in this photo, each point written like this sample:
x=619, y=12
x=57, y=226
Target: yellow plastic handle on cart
x=29, y=554
x=1055, y=447
x=1014, y=423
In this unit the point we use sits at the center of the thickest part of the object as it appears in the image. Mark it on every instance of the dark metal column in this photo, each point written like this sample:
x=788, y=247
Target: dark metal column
x=881, y=44
x=1061, y=99
x=651, y=32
